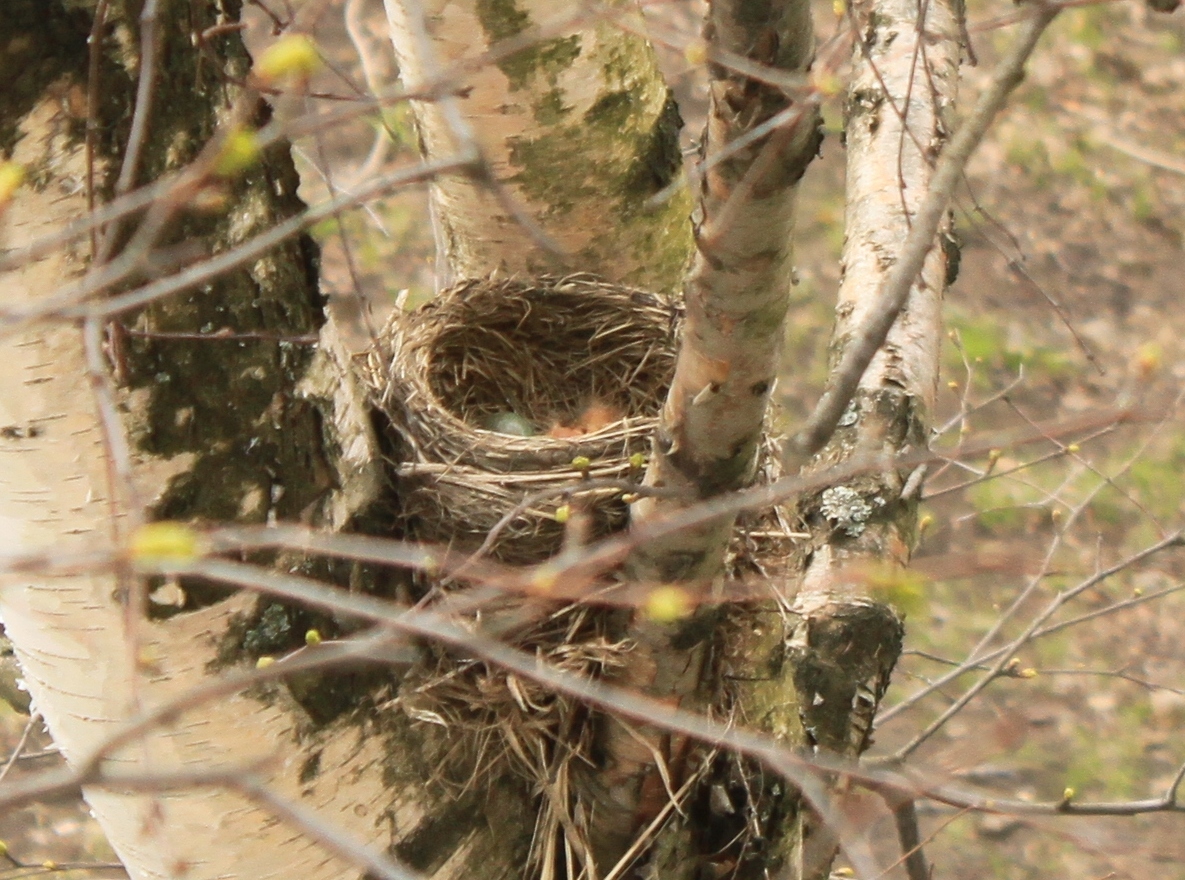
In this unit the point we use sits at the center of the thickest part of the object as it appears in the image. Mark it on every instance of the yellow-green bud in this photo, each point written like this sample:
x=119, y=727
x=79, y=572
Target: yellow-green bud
x=293, y=56
x=240, y=150
x=12, y=175
x=667, y=604
x=164, y=542
x=696, y=52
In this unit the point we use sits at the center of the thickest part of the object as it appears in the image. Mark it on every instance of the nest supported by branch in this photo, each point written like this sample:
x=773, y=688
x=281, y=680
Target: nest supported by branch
x=521, y=398
x=507, y=401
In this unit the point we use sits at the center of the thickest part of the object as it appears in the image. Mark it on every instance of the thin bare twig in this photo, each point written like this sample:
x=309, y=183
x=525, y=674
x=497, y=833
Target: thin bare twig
x=19, y=748
x=905, y=816
x=1173, y=540
x=64, y=304
x=994, y=630
x=141, y=115
x=94, y=56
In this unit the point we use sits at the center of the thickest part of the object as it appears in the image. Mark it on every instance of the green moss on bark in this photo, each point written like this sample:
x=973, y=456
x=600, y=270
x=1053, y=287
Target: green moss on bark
x=501, y=20
x=636, y=156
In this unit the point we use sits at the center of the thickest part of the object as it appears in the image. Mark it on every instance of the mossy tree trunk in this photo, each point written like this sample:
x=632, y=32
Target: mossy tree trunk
x=576, y=129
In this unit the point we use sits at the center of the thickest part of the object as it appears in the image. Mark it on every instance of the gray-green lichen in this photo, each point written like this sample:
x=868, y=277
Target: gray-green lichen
x=847, y=509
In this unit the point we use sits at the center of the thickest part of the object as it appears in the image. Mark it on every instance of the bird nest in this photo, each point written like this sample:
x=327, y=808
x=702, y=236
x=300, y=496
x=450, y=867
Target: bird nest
x=514, y=403
x=509, y=402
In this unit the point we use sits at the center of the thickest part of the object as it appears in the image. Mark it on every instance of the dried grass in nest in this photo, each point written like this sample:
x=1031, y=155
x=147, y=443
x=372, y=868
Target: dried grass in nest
x=501, y=721
x=545, y=350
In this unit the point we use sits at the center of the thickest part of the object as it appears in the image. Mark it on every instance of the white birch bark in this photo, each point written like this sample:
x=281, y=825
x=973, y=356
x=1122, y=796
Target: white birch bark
x=899, y=114
x=712, y=425
x=92, y=664
x=900, y=107
x=578, y=128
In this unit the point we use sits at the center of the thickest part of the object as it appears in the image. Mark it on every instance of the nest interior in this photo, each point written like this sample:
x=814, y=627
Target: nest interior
x=546, y=353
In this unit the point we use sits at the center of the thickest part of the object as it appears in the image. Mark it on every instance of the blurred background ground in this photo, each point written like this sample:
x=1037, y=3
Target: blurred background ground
x=1069, y=296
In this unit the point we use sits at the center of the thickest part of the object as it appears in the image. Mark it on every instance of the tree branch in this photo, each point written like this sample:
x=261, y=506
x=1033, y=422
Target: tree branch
x=870, y=336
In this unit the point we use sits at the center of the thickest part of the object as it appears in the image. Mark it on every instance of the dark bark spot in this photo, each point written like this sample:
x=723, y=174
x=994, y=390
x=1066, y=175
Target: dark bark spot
x=750, y=837
x=952, y=248
x=660, y=159
x=681, y=566
x=310, y=768
x=21, y=432
x=843, y=672
x=721, y=474
x=41, y=40
x=697, y=628
x=437, y=837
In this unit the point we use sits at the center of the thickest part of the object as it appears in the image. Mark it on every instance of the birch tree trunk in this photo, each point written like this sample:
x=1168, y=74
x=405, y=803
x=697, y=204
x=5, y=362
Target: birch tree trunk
x=238, y=428
x=839, y=642
x=713, y=421
x=575, y=126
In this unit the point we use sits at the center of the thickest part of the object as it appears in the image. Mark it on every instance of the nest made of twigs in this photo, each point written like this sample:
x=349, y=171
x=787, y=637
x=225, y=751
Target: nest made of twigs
x=543, y=352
